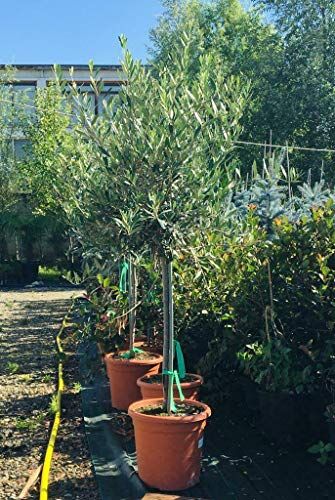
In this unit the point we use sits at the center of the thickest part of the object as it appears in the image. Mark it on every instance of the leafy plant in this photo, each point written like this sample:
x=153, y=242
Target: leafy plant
x=322, y=449
x=12, y=367
x=29, y=424
x=274, y=367
x=162, y=155
x=233, y=287
x=77, y=387
x=46, y=378
x=104, y=314
x=53, y=405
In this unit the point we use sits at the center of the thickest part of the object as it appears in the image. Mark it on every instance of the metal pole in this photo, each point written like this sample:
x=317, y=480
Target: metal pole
x=168, y=333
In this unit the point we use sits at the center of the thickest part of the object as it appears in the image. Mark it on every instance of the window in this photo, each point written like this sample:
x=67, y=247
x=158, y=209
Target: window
x=108, y=93
x=20, y=148
x=24, y=95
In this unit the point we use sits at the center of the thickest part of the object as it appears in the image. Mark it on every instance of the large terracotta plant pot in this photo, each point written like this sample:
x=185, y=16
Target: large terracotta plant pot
x=169, y=448
x=152, y=390
x=123, y=375
x=103, y=351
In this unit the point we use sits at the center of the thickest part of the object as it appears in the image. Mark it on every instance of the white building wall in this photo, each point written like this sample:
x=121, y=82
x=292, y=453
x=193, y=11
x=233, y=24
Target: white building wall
x=37, y=76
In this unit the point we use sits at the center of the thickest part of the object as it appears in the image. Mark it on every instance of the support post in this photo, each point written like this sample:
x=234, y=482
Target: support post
x=168, y=334
x=132, y=298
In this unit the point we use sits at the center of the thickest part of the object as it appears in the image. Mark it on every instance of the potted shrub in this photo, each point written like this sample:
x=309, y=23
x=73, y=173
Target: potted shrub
x=179, y=128
x=275, y=369
x=108, y=222
x=124, y=367
x=162, y=170
x=330, y=414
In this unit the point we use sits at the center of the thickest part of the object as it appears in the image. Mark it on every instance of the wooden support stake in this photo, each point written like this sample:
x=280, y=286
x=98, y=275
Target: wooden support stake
x=32, y=480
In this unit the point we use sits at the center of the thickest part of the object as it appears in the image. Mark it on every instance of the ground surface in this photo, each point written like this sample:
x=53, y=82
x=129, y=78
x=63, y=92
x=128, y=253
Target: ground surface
x=29, y=321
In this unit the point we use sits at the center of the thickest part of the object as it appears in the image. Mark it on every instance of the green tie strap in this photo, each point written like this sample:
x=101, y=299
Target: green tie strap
x=123, y=285
x=175, y=378
x=131, y=354
x=180, y=360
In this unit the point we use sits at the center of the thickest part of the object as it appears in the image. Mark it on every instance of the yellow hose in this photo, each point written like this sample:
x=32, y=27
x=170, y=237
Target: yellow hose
x=48, y=455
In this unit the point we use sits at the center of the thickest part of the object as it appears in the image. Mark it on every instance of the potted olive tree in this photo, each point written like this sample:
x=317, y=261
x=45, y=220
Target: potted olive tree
x=182, y=131
x=103, y=207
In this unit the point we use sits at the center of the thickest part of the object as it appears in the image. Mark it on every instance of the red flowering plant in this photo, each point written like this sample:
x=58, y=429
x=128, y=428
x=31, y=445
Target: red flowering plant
x=104, y=315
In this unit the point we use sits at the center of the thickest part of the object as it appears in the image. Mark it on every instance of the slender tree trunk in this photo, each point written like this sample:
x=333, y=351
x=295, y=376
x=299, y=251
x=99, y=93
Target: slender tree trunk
x=168, y=334
x=132, y=296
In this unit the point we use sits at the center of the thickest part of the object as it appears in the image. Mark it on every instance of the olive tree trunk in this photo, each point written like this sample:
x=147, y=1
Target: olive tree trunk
x=168, y=334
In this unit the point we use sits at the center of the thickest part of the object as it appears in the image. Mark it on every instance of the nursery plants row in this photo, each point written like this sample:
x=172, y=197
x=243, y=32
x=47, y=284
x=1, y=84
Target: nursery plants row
x=171, y=239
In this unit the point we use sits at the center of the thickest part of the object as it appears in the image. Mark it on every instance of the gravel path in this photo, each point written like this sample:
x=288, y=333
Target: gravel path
x=29, y=321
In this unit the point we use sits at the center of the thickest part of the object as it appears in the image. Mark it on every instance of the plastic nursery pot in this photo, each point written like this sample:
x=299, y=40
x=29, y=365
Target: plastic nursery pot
x=250, y=394
x=123, y=375
x=152, y=390
x=169, y=448
x=279, y=414
x=314, y=406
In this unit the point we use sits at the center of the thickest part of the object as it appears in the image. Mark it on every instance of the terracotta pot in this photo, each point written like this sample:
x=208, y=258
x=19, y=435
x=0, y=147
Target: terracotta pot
x=169, y=448
x=123, y=375
x=155, y=390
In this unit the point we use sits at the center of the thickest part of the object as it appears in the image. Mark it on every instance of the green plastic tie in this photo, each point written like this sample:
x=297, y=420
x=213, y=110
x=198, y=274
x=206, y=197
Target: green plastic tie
x=123, y=285
x=180, y=360
x=175, y=378
x=130, y=354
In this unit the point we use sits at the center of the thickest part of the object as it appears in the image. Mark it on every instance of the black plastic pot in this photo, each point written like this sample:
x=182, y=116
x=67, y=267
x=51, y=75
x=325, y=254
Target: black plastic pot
x=281, y=417
x=18, y=273
x=30, y=271
x=314, y=406
x=331, y=428
x=250, y=392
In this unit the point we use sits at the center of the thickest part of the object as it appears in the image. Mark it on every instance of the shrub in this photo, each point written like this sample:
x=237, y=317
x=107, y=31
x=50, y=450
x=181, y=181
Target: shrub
x=264, y=289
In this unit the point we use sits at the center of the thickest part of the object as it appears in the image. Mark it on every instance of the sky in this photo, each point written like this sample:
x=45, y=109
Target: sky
x=74, y=31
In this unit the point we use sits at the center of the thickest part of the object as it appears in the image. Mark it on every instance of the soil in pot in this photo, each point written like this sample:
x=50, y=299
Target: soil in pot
x=152, y=387
x=105, y=347
x=169, y=448
x=123, y=374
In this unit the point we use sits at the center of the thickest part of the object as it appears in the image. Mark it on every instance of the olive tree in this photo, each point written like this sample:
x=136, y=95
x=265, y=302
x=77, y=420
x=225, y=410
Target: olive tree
x=159, y=163
x=178, y=135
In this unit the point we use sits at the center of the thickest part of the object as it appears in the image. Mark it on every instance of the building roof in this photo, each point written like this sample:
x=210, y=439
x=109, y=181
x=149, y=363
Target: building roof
x=110, y=67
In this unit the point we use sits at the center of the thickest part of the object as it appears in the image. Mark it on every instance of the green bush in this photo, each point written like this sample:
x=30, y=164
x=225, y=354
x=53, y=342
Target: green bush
x=263, y=298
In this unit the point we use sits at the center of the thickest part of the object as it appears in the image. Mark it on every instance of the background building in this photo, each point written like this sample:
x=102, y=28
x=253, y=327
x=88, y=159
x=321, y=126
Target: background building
x=30, y=77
